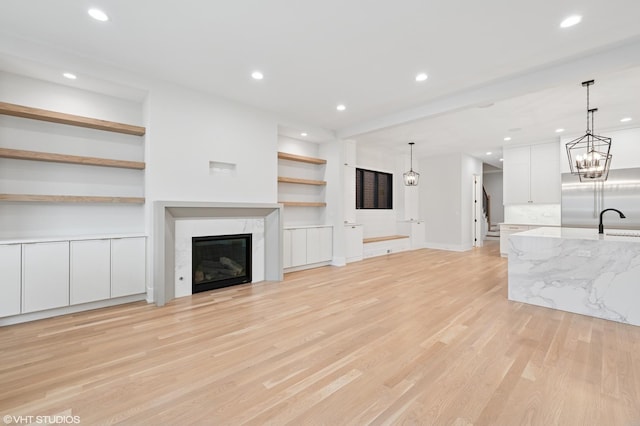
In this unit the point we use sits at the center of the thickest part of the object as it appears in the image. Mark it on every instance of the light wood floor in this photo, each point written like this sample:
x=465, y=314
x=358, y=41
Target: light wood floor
x=425, y=337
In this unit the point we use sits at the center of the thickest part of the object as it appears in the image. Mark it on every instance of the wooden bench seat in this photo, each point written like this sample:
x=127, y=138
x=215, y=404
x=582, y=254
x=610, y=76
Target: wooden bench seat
x=385, y=238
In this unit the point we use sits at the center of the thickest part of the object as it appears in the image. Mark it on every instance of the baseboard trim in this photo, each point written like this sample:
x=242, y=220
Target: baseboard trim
x=50, y=313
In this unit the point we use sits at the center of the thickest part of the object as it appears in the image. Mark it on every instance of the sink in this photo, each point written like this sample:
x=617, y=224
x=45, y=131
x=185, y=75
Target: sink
x=624, y=234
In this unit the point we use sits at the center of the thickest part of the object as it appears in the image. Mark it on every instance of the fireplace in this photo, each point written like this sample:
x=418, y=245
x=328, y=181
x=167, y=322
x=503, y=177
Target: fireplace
x=220, y=261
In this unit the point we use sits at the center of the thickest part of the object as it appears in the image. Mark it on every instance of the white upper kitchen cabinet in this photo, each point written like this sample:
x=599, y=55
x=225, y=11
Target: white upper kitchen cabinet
x=10, y=279
x=45, y=276
x=128, y=266
x=90, y=271
x=531, y=174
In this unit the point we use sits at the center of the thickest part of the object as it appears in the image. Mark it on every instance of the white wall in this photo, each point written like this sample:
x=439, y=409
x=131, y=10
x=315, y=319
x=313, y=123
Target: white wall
x=446, y=200
x=470, y=168
x=440, y=200
x=334, y=153
x=492, y=182
x=301, y=216
x=378, y=222
x=40, y=220
x=188, y=130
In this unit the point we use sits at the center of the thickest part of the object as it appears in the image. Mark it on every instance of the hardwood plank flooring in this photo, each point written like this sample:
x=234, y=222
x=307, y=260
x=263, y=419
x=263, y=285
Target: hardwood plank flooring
x=425, y=337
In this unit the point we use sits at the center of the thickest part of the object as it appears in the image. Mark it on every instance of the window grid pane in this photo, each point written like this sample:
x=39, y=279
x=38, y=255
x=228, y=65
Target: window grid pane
x=373, y=189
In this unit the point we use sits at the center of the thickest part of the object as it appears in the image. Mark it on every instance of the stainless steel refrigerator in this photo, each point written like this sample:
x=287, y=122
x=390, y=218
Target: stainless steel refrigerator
x=582, y=202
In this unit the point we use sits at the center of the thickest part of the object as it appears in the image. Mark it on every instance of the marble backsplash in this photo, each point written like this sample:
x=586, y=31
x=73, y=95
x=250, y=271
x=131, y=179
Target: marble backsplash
x=533, y=214
x=188, y=228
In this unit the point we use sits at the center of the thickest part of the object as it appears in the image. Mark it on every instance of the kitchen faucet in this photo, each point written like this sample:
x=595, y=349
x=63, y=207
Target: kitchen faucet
x=600, y=226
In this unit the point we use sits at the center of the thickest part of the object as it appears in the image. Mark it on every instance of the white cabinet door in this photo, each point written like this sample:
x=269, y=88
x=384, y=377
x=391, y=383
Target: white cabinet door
x=531, y=174
x=10, y=260
x=353, y=239
x=350, y=150
x=298, y=247
x=516, y=175
x=418, y=235
x=45, y=276
x=546, y=184
x=128, y=266
x=90, y=265
x=286, y=251
x=319, y=244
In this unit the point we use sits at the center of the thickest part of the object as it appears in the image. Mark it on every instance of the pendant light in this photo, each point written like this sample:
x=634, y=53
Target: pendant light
x=411, y=178
x=589, y=156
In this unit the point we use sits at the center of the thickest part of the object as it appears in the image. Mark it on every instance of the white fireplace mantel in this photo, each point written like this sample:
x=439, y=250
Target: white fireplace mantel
x=165, y=215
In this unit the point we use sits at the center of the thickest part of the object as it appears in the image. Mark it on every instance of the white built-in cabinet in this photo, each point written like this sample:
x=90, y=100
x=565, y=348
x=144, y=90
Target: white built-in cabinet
x=531, y=174
x=10, y=278
x=307, y=246
x=353, y=240
x=127, y=275
x=38, y=276
x=45, y=276
x=90, y=271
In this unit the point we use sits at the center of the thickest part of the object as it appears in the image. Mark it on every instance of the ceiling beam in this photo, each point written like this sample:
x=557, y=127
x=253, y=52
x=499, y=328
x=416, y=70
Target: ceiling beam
x=601, y=61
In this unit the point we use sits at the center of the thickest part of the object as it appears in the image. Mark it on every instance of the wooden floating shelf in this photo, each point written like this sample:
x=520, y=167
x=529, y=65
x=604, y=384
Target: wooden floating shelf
x=302, y=204
x=301, y=158
x=387, y=238
x=70, y=199
x=70, y=119
x=283, y=179
x=18, y=154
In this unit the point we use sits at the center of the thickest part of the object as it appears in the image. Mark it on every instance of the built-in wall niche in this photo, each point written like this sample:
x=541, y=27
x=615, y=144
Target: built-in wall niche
x=222, y=168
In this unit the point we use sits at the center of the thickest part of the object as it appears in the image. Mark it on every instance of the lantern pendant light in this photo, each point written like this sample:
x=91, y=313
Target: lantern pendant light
x=411, y=178
x=589, y=155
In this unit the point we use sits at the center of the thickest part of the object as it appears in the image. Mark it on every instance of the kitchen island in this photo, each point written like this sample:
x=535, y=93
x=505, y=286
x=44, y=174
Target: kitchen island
x=577, y=270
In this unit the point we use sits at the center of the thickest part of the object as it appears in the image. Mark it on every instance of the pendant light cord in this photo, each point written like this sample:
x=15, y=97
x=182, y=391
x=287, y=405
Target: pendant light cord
x=588, y=131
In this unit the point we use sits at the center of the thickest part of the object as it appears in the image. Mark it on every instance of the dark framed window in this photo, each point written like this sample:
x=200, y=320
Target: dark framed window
x=373, y=189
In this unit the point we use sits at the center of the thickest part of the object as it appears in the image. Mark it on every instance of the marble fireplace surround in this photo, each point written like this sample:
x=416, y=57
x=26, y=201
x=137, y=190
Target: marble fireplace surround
x=165, y=215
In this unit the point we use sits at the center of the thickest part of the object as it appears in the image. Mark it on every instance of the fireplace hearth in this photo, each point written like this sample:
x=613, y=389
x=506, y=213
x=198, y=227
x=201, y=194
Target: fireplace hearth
x=220, y=261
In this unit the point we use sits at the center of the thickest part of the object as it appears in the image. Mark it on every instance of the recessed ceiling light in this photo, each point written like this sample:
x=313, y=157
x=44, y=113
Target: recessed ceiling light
x=508, y=138
x=502, y=159
x=341, y=107
x=257, y=75
x=303, y=134
x=98, y=15
x=624, y=120
x=571, y=21
x=489, y=152
x=559, y=130
x=421, y=77
x=69, y=76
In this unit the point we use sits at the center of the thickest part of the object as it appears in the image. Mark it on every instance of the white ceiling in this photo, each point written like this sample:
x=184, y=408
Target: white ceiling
x=365, y=54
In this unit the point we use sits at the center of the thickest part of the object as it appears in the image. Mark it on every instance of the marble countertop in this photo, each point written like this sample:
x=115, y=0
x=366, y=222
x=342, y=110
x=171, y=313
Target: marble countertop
x=613, y=235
